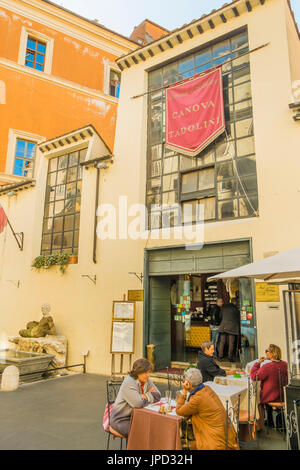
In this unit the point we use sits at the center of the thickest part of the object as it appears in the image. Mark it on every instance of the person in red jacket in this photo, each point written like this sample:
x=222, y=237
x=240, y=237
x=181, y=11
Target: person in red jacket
x=268, y=375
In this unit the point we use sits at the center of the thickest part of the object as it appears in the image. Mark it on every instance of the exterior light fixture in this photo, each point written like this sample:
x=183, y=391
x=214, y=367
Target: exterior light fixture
x=11, y=193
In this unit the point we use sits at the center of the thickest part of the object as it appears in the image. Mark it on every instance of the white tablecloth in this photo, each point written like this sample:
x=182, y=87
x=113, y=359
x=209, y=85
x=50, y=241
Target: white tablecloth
x=229, y=380
x=228, y=393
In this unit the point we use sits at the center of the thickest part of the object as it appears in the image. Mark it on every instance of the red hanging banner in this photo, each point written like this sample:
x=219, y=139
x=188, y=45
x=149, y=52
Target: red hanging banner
x=3, y=219
x=195, y=113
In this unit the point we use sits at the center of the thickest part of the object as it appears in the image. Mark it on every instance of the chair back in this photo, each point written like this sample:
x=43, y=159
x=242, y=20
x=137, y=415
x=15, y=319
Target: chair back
x=252, y=392
x=296, y=422
x=232, y=419
x=174, y=380
x=112, y=390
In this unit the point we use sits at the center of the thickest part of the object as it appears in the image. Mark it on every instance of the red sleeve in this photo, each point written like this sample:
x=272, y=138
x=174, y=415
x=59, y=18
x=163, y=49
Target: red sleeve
x=260, y=372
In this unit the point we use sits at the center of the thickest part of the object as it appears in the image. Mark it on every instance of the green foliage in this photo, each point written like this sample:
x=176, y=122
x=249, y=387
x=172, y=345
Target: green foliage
x=191, y=366
x=56, y=259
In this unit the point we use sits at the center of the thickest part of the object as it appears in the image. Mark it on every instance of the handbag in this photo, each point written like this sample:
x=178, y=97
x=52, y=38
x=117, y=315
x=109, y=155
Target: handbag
x=106, y=416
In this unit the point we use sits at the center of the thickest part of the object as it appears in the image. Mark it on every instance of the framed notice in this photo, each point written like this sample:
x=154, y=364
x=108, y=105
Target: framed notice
x=135, y=295
x=122, y=337
x=266, y=293
x=123, y=310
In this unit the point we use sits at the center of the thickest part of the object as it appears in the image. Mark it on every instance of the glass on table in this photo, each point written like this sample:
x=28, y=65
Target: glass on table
x=168, y=396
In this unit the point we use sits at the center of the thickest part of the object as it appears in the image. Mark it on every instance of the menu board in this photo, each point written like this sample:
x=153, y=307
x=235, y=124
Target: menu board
x=211, y=292
x=122, y=337
x=123, y=310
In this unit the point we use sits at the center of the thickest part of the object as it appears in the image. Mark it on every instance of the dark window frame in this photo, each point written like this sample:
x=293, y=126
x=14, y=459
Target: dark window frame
x=73, y=200
x=239, y=109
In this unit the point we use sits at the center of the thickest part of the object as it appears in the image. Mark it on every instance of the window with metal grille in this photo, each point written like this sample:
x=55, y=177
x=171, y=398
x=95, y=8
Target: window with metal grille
x=227, y=166
x=35, y=54
x=62, y=204
x=24, y=158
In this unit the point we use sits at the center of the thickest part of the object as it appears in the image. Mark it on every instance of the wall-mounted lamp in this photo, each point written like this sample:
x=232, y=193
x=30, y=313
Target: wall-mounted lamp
x=101, y=165
x=91, y=278
x=139, y=276
x=11, y=193
x=295, y=107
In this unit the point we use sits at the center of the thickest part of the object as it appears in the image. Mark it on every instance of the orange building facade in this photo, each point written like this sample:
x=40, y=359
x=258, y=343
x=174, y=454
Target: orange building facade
x=57, y=74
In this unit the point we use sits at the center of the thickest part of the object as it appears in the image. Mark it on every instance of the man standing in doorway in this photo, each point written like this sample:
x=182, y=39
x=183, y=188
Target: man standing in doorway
x=215, y=322
x=229, y=328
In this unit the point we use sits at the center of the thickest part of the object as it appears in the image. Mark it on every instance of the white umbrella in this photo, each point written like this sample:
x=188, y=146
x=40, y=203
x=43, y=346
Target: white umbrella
x=285, y=265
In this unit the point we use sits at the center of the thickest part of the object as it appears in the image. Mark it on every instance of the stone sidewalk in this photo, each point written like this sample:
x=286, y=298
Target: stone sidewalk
x=66, y=414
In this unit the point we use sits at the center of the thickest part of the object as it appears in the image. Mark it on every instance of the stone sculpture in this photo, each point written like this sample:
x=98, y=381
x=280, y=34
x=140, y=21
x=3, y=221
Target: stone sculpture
x=42, y=328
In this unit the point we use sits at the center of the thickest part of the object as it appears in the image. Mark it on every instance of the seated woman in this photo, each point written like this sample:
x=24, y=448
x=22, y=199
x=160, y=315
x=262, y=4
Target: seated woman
x=137, y=391
x=208, y=414
x=268, y=375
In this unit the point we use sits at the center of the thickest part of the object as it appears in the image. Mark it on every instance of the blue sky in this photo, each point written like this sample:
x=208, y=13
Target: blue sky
x=122, y=15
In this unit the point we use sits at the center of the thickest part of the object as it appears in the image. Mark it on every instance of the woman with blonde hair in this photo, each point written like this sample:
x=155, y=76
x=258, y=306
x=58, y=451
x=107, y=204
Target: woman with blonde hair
x=271, y=390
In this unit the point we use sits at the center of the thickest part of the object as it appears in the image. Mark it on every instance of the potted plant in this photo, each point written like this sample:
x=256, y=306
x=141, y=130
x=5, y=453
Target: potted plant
x=55, y=259
x=73, y=259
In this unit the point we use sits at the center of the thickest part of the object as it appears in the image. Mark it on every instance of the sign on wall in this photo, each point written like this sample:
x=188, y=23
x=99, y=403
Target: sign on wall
x=135, y=295
x=266, y=293
x=195, y=113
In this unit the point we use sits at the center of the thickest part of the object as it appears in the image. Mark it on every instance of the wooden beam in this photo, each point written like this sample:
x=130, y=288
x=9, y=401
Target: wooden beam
x=82, y=135
x=190, y=33
x=127, y=64
x=211, y=24
x=53, y=145
x=262, y=2
x=161, y=48
x=61, y=143
x=90, y=132
x=151, y=53
x=135, y=59
x=68, y=141
x=48, y=148
x=200, y=29
x=248, y=5
x=74, y=138
x=235, y=11
x=179, y=39
x=223, y=18
x=170, y=44
x=142, y=57
x=120, y=67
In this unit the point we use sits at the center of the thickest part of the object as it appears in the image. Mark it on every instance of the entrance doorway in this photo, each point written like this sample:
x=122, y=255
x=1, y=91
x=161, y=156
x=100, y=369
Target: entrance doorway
x=177, y=310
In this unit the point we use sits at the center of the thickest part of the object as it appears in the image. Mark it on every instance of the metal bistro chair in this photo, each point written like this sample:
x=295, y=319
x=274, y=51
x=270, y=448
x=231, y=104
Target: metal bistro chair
x=249, y=416
x=232, y=418
x=279, y=406
x=112, y=390
x=292, y=426
x=175, y=379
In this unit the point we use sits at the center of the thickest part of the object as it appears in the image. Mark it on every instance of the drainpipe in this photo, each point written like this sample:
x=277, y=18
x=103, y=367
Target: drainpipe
x=99, y=166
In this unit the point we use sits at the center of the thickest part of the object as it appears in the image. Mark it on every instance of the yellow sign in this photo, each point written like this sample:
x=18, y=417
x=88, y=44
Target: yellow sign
x=135, y=295
x=266, y=293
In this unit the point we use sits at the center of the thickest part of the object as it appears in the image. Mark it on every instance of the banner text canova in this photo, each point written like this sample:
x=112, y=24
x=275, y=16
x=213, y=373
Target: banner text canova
x=195, y=113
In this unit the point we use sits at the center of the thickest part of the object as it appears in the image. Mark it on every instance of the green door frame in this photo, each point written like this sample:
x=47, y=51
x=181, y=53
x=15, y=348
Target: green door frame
x=146, y=284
